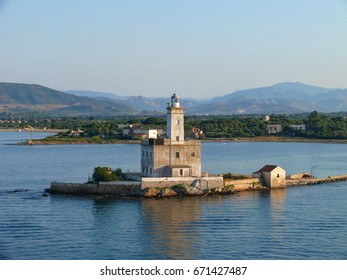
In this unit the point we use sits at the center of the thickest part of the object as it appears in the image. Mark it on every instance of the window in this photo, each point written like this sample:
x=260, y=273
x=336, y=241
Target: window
x=177, y=154
x=177, y=138
x=278, y=175
x=150, y=171
x=192, y=154
x=177, y=121
x=181, y=172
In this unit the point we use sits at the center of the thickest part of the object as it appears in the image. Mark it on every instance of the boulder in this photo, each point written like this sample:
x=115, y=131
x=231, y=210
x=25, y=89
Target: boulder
x=150, y=192
x=194, y=191
x=167, y=192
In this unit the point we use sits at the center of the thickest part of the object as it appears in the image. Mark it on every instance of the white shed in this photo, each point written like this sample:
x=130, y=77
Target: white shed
x=272, y=176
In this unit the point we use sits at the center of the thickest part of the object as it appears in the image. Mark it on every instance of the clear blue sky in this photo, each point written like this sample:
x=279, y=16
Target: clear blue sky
x=197, y=48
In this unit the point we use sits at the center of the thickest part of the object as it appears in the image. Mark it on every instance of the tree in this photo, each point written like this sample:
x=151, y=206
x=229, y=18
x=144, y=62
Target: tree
x=106, y=174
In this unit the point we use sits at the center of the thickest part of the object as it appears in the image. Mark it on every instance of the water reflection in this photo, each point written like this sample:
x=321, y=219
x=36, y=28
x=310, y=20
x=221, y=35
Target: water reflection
x=115, y=222
x=278, y=228
x=167, y=232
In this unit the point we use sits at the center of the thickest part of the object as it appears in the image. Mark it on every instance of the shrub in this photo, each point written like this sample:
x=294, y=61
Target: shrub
x=106, y=174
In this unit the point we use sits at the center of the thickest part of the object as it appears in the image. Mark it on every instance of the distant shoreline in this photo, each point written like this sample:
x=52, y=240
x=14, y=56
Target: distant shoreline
x=278, y=139
x=32, y=130
x=89, y=141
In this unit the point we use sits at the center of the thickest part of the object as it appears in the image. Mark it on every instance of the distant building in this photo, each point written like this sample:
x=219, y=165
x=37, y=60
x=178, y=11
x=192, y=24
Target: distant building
x=76, y=132
x=273, y=128
x=171, y=156
x=297, y=126
x=196, y=133
x=272, y=176
x=143, y=133
x=266, y=118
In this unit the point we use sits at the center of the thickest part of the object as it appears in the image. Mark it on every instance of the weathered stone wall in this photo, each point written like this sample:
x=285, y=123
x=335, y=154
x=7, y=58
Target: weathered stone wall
x=243, y=184
x=132, y=176
x=167, y=182
x=112, y=188
x=278, y=182
x=278, y=178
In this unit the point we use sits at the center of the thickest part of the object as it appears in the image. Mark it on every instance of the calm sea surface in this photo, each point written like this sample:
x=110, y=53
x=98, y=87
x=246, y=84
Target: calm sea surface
x=296, y=223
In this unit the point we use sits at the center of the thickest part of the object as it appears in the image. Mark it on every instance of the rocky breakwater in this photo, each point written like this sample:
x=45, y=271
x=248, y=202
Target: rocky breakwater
x=315, y=181
x=185, y=190
x=134, y=189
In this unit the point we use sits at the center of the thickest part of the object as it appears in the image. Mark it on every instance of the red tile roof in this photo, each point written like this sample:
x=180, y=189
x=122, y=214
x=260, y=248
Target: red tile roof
x=266, y=168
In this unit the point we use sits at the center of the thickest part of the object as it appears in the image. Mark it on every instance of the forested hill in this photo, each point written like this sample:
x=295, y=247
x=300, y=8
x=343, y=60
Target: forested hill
x=27, y=94
x=31, y=97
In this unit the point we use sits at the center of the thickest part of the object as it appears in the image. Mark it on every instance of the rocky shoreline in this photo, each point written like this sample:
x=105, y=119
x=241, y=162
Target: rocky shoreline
x=133, y=188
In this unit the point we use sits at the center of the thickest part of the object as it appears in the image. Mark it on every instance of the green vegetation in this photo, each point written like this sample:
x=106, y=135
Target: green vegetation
x=110, y=130
x=106, y=174
x=318, y=126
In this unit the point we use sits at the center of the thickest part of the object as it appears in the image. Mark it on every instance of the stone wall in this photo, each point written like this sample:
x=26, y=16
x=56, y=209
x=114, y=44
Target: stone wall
x=120, y=188
x=132, y=176
x=243, y=184
x=167, y=182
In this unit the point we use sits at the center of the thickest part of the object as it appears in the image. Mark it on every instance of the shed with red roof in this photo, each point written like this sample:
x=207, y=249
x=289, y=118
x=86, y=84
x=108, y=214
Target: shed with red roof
x=272, y=176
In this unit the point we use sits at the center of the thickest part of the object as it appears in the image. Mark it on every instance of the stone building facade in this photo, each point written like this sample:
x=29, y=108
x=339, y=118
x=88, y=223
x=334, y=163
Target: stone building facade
x=171, y=156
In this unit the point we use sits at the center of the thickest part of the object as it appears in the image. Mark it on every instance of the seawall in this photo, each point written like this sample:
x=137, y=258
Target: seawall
x=168, y=182
x=122, y=188
x=244, y=184
x=147, y=187
x=179, y=186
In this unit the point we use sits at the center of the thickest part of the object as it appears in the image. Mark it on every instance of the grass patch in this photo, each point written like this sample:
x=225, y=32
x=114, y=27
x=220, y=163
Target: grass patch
x=235, y=176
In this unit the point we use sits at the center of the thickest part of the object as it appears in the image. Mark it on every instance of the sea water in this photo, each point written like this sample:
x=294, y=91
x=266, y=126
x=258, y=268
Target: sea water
x=295, y=223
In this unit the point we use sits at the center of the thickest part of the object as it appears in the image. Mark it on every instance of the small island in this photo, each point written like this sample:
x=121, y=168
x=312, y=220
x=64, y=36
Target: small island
x=171, y=166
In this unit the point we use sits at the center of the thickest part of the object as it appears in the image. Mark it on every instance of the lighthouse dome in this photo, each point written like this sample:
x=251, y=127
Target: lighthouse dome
x=175, y=100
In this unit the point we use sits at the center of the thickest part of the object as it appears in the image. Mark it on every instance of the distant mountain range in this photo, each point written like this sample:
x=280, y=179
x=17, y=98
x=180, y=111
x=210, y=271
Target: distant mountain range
x=14, y=97
x=139, y=103
x=280, y=98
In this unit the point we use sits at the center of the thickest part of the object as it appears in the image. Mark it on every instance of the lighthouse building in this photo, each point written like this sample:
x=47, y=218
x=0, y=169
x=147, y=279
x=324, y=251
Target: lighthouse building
x=171, y=156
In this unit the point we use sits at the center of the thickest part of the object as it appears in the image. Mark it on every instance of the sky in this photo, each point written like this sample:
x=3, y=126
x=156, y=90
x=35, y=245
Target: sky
x=196, y=48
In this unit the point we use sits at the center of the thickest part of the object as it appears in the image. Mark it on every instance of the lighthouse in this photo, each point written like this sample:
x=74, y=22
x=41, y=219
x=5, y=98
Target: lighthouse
x=175, y=121
x=171, y=156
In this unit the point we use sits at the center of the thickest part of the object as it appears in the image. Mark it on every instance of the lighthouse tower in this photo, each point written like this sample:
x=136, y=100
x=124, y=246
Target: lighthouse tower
x=175, y=121
x=171, y=156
